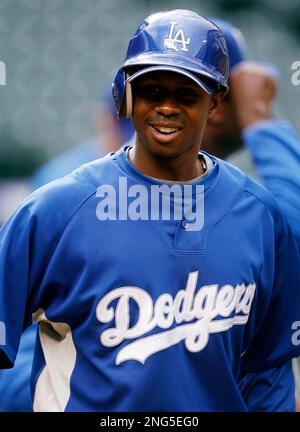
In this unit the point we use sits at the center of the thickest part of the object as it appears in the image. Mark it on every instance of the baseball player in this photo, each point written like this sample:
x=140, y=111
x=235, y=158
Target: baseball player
x=134, y=301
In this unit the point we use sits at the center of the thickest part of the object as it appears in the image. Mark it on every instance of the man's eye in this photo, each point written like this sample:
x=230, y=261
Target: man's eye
x=186, y=96
x=150, y=92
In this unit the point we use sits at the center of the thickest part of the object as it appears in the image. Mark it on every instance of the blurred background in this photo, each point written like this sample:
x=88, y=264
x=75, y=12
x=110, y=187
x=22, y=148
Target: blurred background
x=61, y=56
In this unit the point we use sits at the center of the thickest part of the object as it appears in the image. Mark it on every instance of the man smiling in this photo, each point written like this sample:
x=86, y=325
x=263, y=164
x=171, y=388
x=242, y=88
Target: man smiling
x=170, y=115
x=147, y=314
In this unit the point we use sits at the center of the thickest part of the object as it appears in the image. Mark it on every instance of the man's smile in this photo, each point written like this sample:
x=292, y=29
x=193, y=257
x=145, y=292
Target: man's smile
x=164, y=134
x=165, y=131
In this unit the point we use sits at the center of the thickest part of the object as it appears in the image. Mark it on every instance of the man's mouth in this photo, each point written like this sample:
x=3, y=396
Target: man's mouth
x=165, y=133
x=165, y=130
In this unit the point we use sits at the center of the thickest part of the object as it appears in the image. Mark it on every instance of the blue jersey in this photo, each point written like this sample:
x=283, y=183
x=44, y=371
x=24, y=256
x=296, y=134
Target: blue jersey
x=14, y=383
x=128, y=309
x=275, y=150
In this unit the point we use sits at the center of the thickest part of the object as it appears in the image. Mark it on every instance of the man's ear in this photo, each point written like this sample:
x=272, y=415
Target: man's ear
x=214, y=103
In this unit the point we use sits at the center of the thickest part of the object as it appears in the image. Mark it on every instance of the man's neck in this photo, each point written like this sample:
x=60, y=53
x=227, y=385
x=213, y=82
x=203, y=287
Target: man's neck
x=174, y=169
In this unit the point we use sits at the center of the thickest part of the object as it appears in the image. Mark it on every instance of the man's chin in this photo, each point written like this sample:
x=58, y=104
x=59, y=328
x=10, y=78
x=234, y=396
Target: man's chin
x=164, y=151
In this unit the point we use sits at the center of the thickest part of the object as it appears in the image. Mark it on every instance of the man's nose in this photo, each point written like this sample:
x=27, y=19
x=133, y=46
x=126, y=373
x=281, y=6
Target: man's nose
x=168, y=107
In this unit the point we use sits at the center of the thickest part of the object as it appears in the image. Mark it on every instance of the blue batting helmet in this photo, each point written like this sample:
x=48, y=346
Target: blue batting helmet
x=180, y=41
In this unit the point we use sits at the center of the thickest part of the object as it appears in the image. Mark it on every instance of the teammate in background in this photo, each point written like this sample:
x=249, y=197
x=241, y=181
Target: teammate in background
x=222, y=135
x=111, y=134
x=271, y=147
x=134, y=306
x=271, y=151
x=273, y=144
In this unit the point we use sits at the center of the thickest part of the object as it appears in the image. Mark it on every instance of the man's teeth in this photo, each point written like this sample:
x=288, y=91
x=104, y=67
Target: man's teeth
x=165, y=129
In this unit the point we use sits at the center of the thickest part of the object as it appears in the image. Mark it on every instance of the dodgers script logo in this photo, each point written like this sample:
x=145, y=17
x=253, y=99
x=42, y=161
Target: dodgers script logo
x=205, y=305
x=178, y=38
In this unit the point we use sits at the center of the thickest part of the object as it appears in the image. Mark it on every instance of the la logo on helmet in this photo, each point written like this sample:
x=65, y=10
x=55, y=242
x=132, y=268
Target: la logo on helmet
x=178, y=38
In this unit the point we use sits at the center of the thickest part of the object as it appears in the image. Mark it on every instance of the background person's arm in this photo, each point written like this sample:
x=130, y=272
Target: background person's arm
x=273, y=144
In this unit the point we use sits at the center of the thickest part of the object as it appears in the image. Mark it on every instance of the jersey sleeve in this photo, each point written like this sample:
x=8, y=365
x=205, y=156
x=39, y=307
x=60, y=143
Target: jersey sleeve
x=277, y=308
x=27, y=243
x=269, y=391
x=275, y=150
x=20, y=256
x=15, y=382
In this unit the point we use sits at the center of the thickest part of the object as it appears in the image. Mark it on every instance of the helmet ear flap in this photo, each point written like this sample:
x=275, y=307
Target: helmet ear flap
x=128, y=98
x=122, y=94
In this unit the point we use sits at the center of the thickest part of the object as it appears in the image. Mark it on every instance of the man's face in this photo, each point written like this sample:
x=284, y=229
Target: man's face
x=170, y=113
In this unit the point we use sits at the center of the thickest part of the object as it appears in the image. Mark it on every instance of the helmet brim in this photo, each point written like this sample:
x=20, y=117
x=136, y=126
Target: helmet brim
x=195, y=70
x=210, y=89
